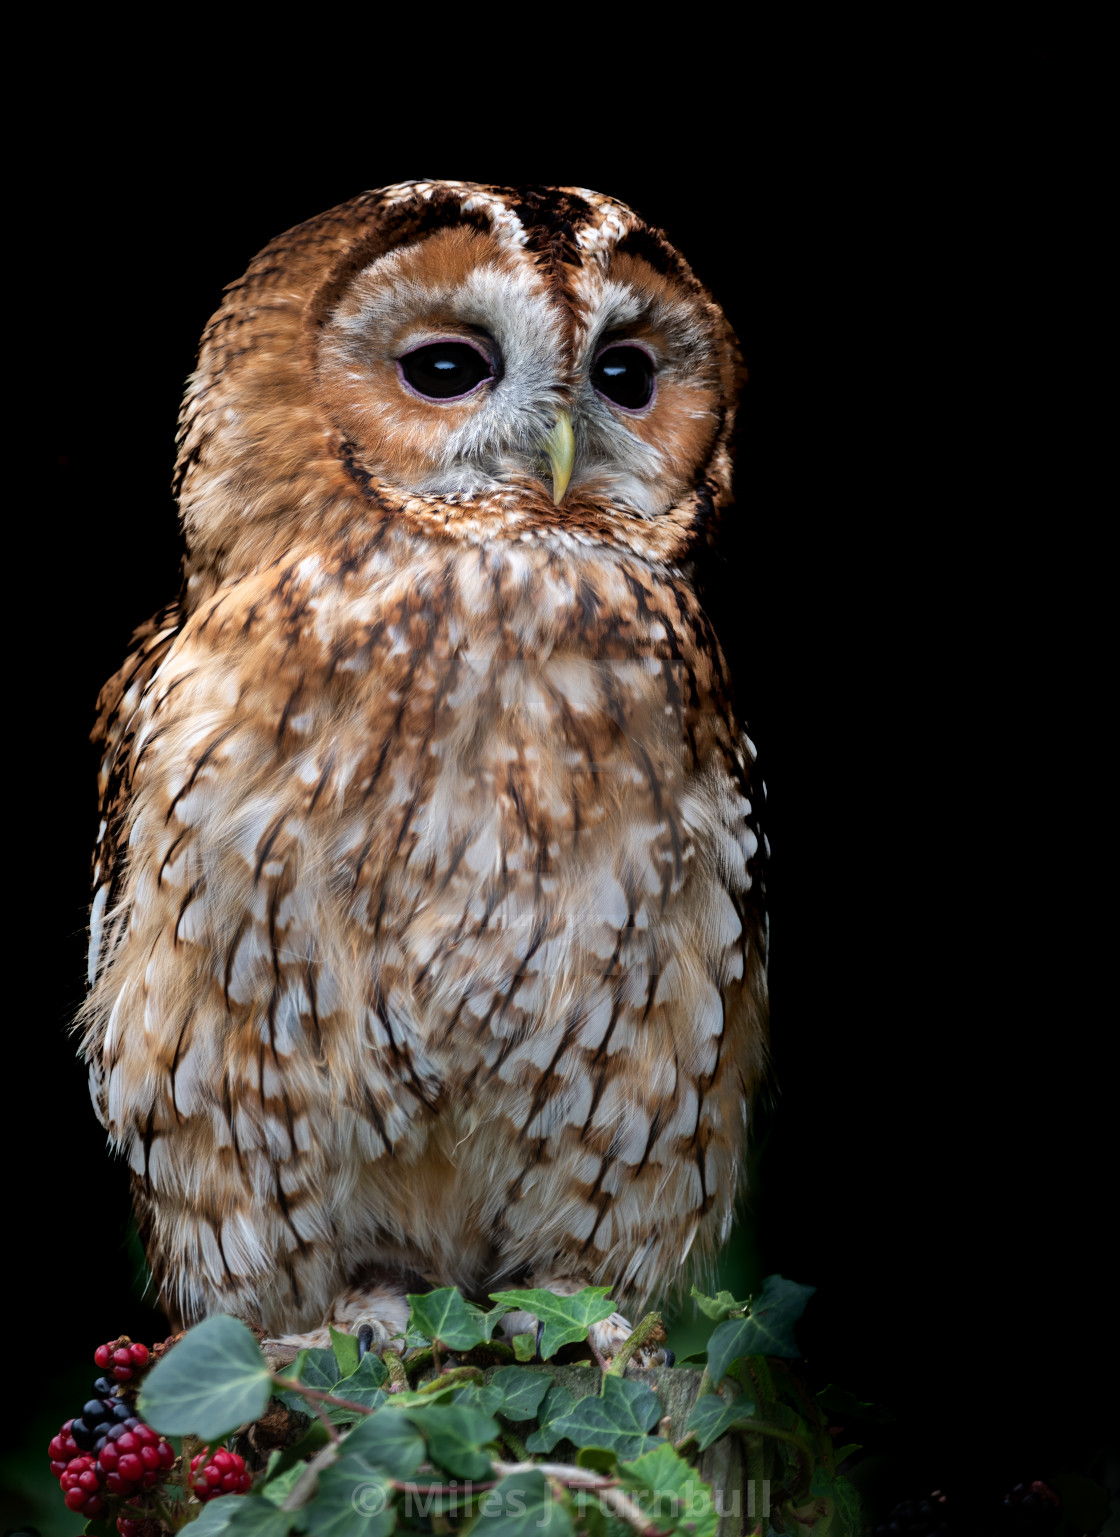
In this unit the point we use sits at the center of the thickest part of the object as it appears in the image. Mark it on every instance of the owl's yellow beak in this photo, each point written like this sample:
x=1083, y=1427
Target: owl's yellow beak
x=561, y=446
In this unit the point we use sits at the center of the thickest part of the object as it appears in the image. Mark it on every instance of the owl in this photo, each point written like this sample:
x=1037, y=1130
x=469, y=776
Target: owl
x=427, y=945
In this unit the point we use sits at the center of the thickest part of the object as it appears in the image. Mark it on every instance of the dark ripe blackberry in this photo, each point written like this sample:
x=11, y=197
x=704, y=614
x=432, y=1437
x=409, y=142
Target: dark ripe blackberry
x=103, y=1388
x=83, y=1435
x=1029, y=1508
x=121, y=1410
x=928, y=1517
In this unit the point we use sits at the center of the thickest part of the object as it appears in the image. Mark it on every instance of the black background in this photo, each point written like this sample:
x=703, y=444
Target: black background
x=889, y=235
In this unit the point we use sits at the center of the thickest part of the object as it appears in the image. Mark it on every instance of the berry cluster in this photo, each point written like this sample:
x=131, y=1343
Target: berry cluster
x=122, y=1358
x=107, y=1450
x=1030, y=1507
x=219, y=1473
x=929, y=1517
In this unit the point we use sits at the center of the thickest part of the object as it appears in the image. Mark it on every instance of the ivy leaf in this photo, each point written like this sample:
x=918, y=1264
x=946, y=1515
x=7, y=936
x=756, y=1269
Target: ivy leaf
x=719, y=1307
x=445, y=1315
x=556, y=1405
x=315, y=1369
x=279, y=1486
x=455, y=1434
x=767, y=1329
x=214, y=1380
x=388, y=1442
x=522, y=1392
x=353, y=1500
x=841, y=1406
x=345, y=1347
x=240, y=1515
x=842, y=1453
x=524, y=1346
x=674, y=1496
x=565, y=1319
x=486, y=1397
x=595, y=1457
x=712, y=1415
x=521, y=1506
x=363, y=1386
x=617, y=1421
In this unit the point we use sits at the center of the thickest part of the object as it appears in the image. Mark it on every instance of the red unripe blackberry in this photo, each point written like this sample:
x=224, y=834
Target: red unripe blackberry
x=224, y=1473
x=121, y=1357
x=62, y=1448
x=81, y=1484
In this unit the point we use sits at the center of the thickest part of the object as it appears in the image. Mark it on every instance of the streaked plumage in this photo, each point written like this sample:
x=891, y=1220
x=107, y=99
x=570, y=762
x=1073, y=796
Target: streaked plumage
x=427, y=939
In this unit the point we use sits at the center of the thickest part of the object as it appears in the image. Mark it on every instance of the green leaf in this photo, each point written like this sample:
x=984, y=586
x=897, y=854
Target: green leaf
x=388, y=1442
x=455, y=1434
x=522, y=1506
x=557, y=1403
x=843, y=1518
x=565, y=1319
x=345, y=1348
x=713, y=1415
x=240, y=1515
x=840, y=1406
x=767, y=1330
x=842, y=1453
x=719, y=1307
x=279, y=1486
x=617, y=1421
x=214, y=1380
x=363, y=1386
x=353, y=1500
x=522, y=1391
x=315, y=1369
x=674, y=1496
x=445, y=1315
x=595, y=1457
x=484, y=1396
x=524, y=1346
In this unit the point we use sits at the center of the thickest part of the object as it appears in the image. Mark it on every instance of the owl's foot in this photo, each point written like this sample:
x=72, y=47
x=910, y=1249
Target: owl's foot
x=377, y=1314
x=606, y=1338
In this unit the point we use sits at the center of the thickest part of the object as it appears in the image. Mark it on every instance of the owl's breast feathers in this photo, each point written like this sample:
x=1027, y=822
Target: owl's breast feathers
x=430, y=833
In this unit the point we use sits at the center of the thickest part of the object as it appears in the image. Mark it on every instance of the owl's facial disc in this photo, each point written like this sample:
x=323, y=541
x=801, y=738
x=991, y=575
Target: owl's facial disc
x=456, y=366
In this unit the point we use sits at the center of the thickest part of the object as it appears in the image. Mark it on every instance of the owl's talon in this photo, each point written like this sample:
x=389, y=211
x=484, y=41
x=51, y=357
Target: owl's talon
x=365, y=1340
x=540, y=1336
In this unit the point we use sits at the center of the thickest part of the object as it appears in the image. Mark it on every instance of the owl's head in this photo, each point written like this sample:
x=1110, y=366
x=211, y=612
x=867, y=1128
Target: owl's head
x=488, y=361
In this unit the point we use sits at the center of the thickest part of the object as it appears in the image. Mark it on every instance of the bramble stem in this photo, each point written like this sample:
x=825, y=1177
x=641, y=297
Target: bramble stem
x=398, y=1377
x=316, y=1396
x=638, y=1337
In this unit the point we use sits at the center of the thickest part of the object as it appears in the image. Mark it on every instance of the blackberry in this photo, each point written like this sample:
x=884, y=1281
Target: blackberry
x=1030, y=1507
x=121, y=1357
x=218, y=1473
x=62, y=1450
x=134, y=1457
x=81, y=1486
x=927, y=1517
x=97, y=1418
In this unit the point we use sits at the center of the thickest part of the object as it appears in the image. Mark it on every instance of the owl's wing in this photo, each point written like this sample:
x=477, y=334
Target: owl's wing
x=118, y=707
x=240, y=1053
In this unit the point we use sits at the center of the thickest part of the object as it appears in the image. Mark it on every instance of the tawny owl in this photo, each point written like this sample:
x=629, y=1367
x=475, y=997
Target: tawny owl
x=427, y=945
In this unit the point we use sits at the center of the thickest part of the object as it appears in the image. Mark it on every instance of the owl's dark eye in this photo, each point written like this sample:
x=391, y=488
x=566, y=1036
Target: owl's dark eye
x=445, y=370
x=624, y=375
